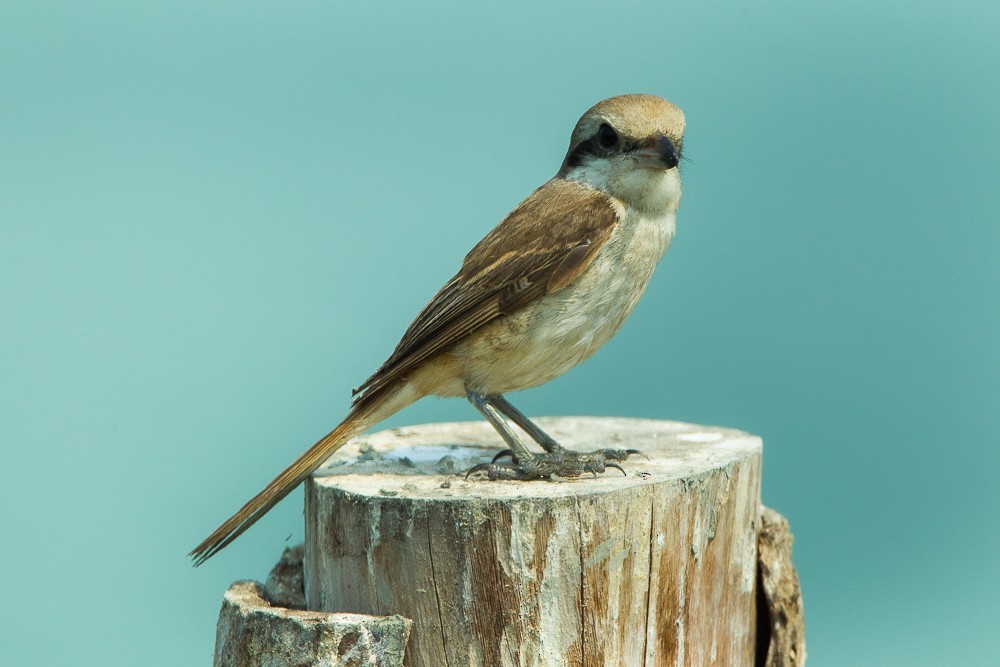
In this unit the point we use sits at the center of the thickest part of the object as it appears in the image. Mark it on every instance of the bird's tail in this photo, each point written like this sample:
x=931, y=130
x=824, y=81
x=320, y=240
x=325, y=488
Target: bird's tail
x=364, y=415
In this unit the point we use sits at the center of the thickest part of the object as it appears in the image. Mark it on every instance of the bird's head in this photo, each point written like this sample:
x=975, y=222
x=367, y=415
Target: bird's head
x=629, y=147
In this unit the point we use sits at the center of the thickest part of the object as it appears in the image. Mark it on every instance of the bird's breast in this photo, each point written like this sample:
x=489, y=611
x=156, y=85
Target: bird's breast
x=558, y=331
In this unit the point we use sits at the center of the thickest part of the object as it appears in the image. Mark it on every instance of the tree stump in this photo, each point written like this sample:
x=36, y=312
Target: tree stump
x=655, y=568
x=254, y=632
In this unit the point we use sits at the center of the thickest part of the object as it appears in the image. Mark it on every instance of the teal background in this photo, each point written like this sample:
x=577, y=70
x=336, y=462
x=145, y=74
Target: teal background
x=216, y=218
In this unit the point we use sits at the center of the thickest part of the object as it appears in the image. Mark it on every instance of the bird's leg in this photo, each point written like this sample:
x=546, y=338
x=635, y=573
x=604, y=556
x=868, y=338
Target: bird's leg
x=519, y=418
x=546, y=440
x=524, y=466
x=496, y=420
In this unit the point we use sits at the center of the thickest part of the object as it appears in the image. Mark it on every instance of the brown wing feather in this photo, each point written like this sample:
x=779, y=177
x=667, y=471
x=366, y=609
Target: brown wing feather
x=539, y=248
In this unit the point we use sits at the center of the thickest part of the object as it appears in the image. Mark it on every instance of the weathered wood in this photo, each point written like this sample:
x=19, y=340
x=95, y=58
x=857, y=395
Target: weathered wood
x=254, y=633
x=781, y=621
x=285, y=586
x=656, y=568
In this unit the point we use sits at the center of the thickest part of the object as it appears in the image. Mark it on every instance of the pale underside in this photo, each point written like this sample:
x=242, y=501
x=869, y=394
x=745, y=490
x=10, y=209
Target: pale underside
x=544, y=340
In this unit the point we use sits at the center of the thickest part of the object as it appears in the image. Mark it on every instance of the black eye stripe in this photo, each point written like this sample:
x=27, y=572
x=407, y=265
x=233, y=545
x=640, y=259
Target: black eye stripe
x=583, y=150
x=593, y=147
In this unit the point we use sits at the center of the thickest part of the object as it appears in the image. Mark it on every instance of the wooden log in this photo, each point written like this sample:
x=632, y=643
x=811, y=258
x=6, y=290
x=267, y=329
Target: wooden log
x=655, y=568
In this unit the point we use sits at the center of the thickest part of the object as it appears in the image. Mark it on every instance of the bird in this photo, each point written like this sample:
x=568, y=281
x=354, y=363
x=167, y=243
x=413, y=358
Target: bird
x=539, y=294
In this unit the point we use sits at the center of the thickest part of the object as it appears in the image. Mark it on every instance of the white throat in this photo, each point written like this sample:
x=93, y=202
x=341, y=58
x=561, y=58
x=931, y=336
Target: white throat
x=649, y=192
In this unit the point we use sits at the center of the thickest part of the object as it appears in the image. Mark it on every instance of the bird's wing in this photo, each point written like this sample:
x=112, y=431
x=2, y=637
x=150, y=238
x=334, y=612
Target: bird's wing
x=539, y=248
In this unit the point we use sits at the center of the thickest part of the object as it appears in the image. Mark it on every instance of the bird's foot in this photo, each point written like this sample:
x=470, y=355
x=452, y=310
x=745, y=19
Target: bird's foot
x=561, y=462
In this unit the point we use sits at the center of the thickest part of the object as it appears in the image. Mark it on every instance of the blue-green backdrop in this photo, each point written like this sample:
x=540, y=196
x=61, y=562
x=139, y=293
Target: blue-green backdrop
x=216, y=218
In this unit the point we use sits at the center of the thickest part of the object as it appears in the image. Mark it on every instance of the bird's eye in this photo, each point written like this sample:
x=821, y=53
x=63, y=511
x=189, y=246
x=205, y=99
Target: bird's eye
x=606, y=136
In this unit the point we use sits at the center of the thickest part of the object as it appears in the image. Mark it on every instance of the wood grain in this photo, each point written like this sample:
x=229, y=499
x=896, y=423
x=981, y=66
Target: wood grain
x=656, y=568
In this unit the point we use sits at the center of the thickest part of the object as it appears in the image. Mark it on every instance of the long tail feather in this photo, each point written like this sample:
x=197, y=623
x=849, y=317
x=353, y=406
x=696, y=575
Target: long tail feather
x=364, y=415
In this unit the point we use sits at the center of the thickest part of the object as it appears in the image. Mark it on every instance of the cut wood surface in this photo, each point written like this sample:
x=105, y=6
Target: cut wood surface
x=654, y=568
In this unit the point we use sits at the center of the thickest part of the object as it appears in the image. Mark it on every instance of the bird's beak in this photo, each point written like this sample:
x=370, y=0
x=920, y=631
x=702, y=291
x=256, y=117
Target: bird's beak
x=657, y=153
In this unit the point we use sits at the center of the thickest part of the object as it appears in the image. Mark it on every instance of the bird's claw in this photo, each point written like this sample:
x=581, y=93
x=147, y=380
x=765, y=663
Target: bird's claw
x=480, y=468
x=562, y=463
x=505, y=453
x=610, y=464
x=620, y=454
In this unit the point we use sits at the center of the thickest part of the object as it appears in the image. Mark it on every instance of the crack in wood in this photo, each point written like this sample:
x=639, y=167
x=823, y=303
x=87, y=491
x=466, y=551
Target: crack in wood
x=437, y=596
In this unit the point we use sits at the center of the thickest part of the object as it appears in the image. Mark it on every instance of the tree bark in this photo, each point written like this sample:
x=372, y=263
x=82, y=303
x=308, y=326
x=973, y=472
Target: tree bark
x=781, y=624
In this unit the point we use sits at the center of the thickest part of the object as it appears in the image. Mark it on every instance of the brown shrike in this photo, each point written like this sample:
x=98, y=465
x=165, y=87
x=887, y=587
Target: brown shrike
x=543, y=291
